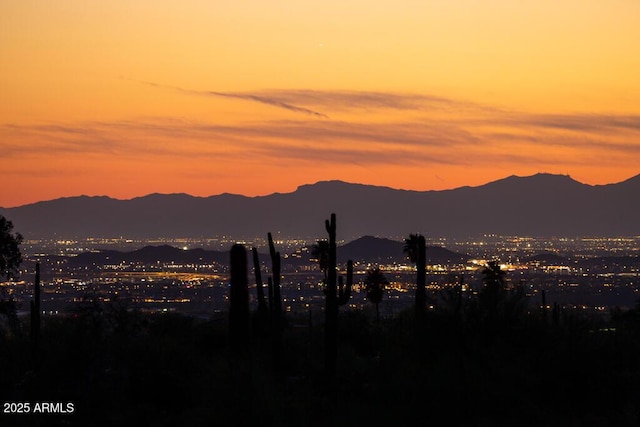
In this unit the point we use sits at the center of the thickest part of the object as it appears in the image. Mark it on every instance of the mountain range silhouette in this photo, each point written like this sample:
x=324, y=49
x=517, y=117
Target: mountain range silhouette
x=538, y=205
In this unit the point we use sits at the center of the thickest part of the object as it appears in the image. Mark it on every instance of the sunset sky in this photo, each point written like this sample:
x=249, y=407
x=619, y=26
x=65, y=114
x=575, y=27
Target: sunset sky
x=126, y=98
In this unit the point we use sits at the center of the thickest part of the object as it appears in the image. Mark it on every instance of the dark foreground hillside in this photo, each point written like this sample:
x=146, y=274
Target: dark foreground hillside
x=121, y=367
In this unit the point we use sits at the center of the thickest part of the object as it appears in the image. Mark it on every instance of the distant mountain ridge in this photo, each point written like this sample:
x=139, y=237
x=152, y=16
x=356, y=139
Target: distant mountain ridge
x=538, y=205
x=148, y=255
x=365, y=249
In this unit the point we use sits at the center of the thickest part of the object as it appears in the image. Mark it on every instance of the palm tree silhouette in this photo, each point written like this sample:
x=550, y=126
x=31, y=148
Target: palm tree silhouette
x=374, y=285
x=493, y=289
x=411, y=247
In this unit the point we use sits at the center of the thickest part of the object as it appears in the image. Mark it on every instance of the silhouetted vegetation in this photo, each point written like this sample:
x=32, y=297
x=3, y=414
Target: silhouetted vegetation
x=275, y=297
x=10, y=255
x=481, y=356
x=10, y=260
x=375, y=283
x=239, y=322
x=164, y=369
x=320, y=253
x=336, y=292
x=35, y=307
x=331, y=300
x=344, y=291
x=121, y=366
x=262, y=303
x=416, y=249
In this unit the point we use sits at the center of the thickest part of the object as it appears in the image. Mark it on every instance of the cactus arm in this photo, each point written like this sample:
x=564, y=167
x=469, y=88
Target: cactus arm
x=262, y=305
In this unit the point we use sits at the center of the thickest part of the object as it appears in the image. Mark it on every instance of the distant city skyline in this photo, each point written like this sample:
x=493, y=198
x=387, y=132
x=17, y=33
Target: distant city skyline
x=130, y=98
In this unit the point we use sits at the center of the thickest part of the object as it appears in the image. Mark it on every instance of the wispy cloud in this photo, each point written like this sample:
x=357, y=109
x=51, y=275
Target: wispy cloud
x=580, y=122
x=301, y=100
x=259, y=98
x=451, y=141
x=440, y=131
x=343, y=100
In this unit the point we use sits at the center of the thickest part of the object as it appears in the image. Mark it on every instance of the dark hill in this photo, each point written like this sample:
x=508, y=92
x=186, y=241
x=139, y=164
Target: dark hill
x=149, y=255
x=547, y=258
x=381, y=250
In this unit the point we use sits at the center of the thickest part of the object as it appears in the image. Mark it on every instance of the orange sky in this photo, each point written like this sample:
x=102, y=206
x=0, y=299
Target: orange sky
x=126, y=98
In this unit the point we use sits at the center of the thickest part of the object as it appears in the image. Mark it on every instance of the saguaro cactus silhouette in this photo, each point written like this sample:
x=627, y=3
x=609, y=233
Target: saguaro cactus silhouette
x=262, y=304
x=336, y=292
x=270, y=292
x=416, y=248
x=459, y=289
x=331, y=300
x=35, y=307
x=275, y=274
x=239, y=322
x=275, y=304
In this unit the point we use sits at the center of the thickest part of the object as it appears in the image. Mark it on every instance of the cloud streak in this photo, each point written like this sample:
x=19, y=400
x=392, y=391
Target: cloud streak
x=580, y=122
x=439, y=131
x=261, y=99
x=301, y=100
x=343, y=100
x=451, y=141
